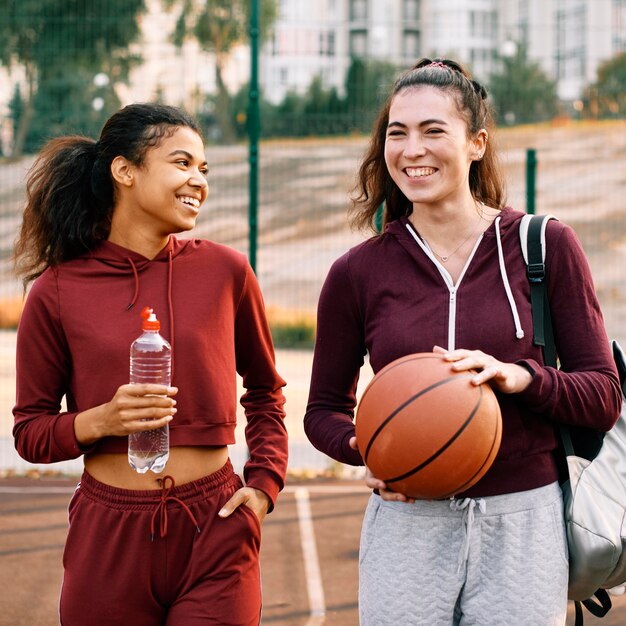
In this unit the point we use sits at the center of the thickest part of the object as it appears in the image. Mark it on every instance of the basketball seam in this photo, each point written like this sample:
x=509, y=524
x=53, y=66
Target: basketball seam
x=406, y=403
x=468, y=483
x=443, y=448
x=397, y=363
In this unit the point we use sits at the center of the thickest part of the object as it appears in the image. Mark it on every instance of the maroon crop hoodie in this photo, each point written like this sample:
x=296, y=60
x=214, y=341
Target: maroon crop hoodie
x=389, y=297
x=74, y=339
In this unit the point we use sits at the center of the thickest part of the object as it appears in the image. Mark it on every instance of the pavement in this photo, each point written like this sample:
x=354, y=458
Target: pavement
x=309, y=555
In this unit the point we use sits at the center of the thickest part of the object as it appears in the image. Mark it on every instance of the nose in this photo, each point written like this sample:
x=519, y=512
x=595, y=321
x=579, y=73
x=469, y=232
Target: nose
x=198, y=179
x=414, y=146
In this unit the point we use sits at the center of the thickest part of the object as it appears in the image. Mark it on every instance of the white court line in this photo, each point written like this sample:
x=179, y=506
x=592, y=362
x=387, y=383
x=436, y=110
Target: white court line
x=315, y=589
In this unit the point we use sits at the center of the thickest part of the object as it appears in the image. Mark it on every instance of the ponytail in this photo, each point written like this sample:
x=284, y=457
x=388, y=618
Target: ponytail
x=70, y=190
x=63, y=216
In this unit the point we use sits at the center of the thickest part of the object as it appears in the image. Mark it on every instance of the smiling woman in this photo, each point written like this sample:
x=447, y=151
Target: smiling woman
x=98, y=240
x=446, y=276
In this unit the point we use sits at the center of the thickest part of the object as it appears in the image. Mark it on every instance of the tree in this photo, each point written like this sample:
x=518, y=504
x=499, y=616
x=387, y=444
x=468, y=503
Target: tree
x=61, y=45
x=607, y=96
x=218, y=26
x=521, y=91
x=367, y=84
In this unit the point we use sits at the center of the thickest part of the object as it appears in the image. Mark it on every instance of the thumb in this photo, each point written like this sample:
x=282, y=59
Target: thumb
x=352, y=443
x=236, y=500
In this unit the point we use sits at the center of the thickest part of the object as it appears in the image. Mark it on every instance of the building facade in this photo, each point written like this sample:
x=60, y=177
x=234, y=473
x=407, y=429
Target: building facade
x=568, y=38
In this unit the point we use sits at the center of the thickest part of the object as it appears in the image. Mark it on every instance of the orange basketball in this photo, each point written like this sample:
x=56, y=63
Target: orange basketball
x=425, y=429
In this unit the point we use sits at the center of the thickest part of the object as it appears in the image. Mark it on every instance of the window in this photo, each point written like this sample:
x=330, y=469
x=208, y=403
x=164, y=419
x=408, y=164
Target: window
x=358, y=9
x=483, y=24
x=411, y=44
x=411, y=10
x=327, y=43
x=358, y=43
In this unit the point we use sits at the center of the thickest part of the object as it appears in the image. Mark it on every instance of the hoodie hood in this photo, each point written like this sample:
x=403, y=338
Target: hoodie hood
x=116, y=259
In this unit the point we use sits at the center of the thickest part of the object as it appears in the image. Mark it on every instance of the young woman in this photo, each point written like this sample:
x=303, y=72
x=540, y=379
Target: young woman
x=97, y=237
x=447, y=275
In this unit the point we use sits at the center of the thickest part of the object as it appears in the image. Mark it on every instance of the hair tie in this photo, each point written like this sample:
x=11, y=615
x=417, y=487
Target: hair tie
x=438, y=64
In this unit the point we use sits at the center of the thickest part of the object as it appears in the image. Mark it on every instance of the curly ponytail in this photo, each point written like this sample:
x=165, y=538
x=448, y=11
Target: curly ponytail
x=62, y=218
x=70, y=191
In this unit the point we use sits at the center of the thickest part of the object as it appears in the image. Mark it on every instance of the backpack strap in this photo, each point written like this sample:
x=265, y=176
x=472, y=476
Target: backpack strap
x=533, y=242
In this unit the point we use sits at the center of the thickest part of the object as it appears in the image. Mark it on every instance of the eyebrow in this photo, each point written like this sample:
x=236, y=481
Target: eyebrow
x=186, y=154
x=424, y=123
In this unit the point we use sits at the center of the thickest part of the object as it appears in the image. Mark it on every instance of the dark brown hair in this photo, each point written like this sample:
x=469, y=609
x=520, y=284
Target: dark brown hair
x=70, y=191
x=376, y=188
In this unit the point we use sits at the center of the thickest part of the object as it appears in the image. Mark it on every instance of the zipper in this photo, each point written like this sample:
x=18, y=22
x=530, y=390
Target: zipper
x=452, y=288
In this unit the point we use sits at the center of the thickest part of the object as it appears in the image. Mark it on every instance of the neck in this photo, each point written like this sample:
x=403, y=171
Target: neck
x=137, y=241
x=452, y=235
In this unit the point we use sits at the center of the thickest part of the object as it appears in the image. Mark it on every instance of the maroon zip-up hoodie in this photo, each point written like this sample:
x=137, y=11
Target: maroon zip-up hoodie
x=81, y=317
x=388, y=297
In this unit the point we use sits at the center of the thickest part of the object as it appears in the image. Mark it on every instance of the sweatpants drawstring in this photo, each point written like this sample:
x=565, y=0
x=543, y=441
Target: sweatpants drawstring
x=161, y=509
x=467, y=505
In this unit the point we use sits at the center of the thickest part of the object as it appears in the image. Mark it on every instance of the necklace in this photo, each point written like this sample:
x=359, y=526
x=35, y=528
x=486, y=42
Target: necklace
x=444, y=259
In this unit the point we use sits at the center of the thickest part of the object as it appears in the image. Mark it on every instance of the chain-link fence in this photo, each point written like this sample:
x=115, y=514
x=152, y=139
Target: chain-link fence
x=68, y=66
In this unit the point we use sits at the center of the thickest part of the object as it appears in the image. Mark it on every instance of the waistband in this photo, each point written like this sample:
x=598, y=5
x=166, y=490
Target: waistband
x=146, y=499
x=495, y=505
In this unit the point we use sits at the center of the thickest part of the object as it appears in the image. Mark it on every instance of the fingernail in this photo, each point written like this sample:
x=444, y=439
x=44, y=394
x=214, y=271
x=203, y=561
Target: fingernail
x=223, y=513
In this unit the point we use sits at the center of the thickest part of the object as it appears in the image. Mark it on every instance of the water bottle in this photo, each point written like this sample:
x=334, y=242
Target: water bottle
x=150, y=362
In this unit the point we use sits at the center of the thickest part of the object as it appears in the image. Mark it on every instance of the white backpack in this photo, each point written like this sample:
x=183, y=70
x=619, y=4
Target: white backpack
x=595, y=493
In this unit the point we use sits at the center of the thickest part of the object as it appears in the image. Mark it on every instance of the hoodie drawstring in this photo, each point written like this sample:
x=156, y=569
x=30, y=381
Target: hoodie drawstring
x=161, y=509
x=170, y=304
x=136, y=294
x=519, y=331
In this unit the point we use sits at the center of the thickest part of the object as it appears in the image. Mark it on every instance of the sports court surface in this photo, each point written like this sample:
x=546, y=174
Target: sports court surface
x=309, y=554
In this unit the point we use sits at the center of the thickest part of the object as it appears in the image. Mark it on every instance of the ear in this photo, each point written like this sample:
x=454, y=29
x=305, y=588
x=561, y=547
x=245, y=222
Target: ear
x=122, y=171
x=479, y=145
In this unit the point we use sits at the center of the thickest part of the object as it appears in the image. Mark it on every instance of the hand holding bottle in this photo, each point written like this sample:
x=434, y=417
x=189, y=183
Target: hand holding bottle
x=133, y=408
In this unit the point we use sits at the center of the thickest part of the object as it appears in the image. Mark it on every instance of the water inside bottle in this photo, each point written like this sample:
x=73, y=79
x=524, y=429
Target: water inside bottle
x=149, y=450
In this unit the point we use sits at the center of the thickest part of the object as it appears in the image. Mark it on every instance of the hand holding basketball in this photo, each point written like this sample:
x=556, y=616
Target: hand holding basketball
x=506, y=377
x=375, y=483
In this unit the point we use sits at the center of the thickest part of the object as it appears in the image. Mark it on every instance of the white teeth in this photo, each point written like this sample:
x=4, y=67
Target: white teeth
x=416, y=172
x=194, y=202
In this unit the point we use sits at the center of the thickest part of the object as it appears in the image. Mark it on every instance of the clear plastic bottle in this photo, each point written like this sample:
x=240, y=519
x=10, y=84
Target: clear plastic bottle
x=150, y=362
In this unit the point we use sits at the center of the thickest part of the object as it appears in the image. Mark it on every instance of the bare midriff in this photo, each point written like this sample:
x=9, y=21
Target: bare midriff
x=185, y=464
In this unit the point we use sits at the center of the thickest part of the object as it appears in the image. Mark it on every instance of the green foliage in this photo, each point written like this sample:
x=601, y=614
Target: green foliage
x=62, y=45
x=297, y=335
x=521, y=91
x=321, y=111
x=218, y=26
x=607, y=97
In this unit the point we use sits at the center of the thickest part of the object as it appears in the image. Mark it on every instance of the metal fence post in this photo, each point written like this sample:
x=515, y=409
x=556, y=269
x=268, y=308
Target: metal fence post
x=253, y=134
x=531, y=179
x=378, y=218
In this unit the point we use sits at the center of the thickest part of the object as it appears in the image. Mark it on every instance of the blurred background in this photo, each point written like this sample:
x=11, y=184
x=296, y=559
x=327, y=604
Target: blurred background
x=286, y=92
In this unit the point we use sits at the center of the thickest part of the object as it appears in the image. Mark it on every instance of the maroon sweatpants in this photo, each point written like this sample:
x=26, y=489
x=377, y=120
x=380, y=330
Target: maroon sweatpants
x=143, y=558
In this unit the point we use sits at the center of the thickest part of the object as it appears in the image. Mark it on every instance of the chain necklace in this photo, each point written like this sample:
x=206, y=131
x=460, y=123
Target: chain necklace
x=444, y=259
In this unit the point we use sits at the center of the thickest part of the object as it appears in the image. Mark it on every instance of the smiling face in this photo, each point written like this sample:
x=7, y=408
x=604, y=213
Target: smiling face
x=428, y=152
x=163, y=195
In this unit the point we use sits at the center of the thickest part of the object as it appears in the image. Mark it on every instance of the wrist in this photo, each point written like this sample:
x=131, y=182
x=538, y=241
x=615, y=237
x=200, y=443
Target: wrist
x=85, y=427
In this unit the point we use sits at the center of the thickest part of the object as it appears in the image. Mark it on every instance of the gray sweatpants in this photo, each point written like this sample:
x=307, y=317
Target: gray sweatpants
x=493, y=561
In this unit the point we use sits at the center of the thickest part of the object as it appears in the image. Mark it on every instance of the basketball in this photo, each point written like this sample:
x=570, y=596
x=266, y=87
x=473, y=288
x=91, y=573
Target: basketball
x=425, y=429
